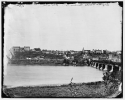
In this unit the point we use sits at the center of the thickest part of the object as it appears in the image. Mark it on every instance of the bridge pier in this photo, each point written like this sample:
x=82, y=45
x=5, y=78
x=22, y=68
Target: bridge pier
x=116, y=68
x=95, y=64
x=111, y=68
x=120, y=68
x=92, y=64
x=101, y=67
x=98, y=65
x=105, y=69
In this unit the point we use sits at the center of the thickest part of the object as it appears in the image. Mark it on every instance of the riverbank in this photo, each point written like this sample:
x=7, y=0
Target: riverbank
x=58, y=62
x=42, y=62
x=87, y=90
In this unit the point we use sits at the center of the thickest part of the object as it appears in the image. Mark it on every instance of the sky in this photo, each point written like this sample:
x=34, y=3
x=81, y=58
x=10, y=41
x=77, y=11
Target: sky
x=63, y=26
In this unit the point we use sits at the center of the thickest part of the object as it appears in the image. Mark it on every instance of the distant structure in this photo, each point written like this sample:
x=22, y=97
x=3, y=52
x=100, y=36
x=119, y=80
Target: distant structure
x=26, y=48
x=37, y=49
x=16, y=49
x=83, y=50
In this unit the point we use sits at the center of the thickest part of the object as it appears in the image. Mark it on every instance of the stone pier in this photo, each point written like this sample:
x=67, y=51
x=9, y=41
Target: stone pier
x=105, y=67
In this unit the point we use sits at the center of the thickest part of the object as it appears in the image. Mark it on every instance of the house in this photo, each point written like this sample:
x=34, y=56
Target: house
x=13, y=51
x=85, y=56
x=98, y=51
x=118, y=52
x=103, y=58
x=114, y=57
x=62, y=52
x=44, y=51
x=53, y=52
x=106, y=51
x=26, y=48
x=86, y=51
x=47, y=52
x=16, y=49
x=72, y=52
x=95, y=58
x=22, y=49
x=37, y=49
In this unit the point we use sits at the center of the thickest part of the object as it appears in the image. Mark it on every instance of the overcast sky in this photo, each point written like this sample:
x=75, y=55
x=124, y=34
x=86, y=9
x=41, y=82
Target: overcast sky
x=64, y=27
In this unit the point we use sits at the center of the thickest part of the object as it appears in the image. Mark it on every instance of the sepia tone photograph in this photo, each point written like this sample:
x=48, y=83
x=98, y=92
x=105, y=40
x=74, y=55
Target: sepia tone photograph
x=62, y=49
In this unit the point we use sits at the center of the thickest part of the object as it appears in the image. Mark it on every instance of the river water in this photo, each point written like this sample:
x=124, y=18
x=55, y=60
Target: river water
x=49, y=75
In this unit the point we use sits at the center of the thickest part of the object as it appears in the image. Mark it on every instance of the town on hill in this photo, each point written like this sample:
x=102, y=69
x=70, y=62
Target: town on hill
x=25, y=55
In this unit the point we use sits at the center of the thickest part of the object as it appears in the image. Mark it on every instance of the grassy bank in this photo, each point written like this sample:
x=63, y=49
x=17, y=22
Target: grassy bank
x=87, y=90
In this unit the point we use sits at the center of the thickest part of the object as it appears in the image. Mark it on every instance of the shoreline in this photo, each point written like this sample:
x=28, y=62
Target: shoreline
x=47, y=85
x=47, y=65
x=92, y=90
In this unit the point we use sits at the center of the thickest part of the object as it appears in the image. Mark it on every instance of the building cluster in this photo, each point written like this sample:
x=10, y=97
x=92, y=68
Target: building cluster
x=103, y=55
x=96, y=51
x=87, y=54
x=45, y=51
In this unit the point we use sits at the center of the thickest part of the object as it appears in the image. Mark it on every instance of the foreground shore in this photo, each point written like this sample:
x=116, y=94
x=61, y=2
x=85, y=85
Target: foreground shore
x=86, y=90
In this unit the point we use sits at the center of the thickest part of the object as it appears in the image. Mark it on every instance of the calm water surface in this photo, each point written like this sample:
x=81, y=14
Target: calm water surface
x=43, y=75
